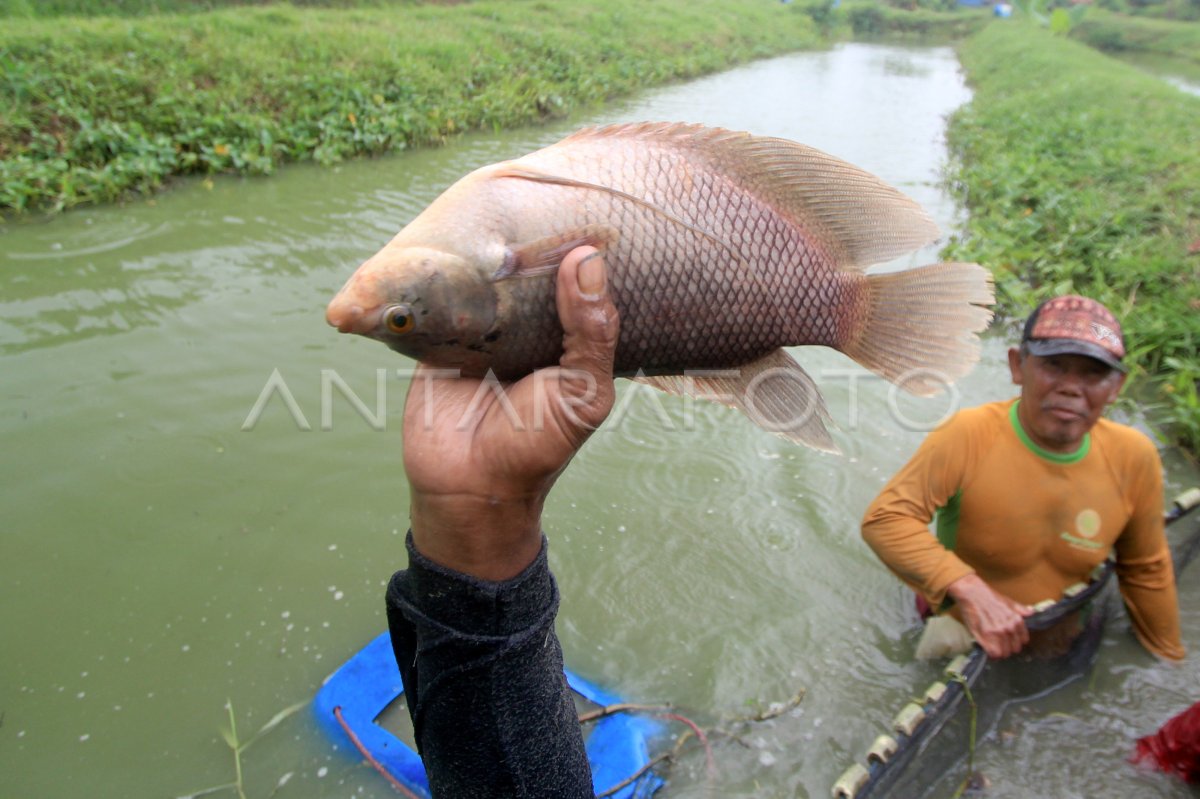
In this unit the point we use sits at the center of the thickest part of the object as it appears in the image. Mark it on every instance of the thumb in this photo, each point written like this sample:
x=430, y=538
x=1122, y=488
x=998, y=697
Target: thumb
x=586, y=311
x=590, y=332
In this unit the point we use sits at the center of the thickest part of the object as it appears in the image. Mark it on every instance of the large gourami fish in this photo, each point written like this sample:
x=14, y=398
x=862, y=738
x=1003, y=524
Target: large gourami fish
x=721, y=247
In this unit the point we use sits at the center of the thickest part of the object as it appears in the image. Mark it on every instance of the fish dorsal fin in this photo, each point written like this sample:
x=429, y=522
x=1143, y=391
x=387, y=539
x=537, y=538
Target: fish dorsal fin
x=852, y=214
x=774, y=391
x=525, y=173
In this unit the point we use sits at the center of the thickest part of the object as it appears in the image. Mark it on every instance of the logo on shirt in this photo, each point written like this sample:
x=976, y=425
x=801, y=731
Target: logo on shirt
x=1087, y=527
x=1087, y=523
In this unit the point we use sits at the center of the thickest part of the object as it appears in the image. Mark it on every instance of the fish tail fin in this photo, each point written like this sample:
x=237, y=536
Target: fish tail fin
x=920, y=324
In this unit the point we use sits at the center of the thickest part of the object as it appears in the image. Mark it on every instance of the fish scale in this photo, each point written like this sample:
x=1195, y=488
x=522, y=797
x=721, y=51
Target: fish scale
x=756, y=326
x=722, y=248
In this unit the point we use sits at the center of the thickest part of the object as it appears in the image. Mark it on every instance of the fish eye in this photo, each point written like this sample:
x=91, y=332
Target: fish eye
x=399, y=319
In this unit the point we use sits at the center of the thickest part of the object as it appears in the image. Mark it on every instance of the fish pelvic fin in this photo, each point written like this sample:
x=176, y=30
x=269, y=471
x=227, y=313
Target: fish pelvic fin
x=525, y=173
x=920, y=325
x=774, y=392
x=543, y=256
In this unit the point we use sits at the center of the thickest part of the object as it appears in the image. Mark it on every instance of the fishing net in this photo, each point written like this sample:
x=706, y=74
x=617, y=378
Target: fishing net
x=929, y=754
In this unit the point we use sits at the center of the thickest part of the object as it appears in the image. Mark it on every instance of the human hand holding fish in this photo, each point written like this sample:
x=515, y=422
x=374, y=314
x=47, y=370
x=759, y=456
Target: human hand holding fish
x=482, y=456
x=722, y=248
x=994, y=620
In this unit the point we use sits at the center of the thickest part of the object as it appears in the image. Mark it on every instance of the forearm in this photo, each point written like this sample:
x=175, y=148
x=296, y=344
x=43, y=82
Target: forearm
x=1145, y=572
x=906, y=546
x=483, y=677
x=896, y=523
x=488, y=537
x=1149, y=592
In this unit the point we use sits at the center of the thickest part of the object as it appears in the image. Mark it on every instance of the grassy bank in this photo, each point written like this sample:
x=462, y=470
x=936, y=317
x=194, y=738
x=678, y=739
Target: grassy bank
x=99, y=108
x=1082, y=174
x=1123, y=35
x=142, y=8
x=873, y=21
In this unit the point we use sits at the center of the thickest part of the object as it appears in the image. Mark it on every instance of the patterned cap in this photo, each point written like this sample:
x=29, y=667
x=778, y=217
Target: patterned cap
x=1074, y=325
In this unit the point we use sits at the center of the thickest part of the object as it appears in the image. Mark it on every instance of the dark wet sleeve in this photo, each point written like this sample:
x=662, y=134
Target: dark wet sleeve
x=483, y=676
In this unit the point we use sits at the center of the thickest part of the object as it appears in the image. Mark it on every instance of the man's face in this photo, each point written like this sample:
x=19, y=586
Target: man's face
x=1062, y=396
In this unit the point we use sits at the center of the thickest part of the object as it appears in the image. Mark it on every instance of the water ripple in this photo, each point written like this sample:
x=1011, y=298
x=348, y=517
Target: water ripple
x=58, y=250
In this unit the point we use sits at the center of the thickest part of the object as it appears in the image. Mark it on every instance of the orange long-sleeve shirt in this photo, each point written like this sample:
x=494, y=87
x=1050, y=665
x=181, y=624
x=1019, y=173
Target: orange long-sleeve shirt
x=1028, y=521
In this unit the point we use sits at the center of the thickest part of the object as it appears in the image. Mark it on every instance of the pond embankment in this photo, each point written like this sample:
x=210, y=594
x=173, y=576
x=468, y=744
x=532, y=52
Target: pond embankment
x=103, y=107
x=111, y=99
x=1082, y=174
x=1175, y=41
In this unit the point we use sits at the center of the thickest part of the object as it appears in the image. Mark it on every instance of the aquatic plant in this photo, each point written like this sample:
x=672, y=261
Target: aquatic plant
x=238, y=747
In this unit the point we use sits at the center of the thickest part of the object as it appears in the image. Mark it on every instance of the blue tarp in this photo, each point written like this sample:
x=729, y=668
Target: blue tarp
x=367, y=683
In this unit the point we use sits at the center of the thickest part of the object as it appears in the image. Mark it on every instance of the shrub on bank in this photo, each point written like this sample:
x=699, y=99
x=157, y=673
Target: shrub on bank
x=1082, y=174
x=1159, y=9
x=102, y=107
x=1114, y=33
x=872, y=20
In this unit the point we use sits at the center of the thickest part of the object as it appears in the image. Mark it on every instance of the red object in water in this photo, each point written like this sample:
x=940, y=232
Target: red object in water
x=1175, y=748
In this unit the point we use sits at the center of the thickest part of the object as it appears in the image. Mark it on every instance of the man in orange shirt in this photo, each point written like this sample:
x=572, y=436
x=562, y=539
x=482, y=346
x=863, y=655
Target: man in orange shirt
x=1031, y=494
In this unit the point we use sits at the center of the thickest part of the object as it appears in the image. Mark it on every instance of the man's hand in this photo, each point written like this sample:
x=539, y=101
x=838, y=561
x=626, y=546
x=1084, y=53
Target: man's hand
x=481, y=457
x=996, y=622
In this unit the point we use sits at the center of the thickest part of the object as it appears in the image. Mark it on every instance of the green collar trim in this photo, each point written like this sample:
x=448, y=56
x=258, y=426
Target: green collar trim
x=1053, y=457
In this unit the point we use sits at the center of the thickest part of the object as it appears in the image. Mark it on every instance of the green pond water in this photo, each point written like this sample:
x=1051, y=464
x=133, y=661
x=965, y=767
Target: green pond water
x=169, y=546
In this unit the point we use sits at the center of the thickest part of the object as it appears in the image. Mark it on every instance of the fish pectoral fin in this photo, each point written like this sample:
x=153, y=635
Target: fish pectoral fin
x=543, y=256
x=774, y=391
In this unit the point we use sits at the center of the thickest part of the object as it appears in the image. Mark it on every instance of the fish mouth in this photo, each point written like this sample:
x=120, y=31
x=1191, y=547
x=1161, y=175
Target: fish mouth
x=349, y=316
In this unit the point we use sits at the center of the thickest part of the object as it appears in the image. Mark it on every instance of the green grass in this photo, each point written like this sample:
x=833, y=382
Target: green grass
x=141, y=8
x=1121, y=35
x=1154, y=9
x=1082, y=174
x=871, y=21
x=98, y=108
